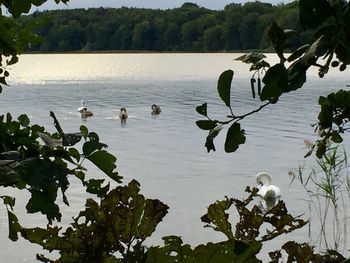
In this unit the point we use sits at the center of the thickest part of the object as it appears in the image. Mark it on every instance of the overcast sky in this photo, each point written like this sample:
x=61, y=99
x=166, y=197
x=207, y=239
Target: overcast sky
x=162, y=4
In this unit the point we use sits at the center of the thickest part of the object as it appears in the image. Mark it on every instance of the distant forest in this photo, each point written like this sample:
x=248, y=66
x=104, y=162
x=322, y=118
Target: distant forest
x=187, y=28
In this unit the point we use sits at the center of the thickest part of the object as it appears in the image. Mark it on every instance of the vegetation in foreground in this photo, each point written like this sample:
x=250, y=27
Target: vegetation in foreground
x=117, y=219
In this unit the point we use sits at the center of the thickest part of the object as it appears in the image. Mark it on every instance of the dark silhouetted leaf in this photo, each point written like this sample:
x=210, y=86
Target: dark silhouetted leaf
x=70, y=139
x=106, y=162
x=24, y=120
x=217, y=217
x=202, y=109
x=206, y=124
x=14, y=226
x=74, y=153
x=224, y=86
x=235, y=137
x=84, y=131
x=275, y=80
x=3, y=81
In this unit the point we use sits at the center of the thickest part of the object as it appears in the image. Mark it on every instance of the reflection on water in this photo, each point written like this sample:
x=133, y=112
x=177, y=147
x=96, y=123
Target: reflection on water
x=166, y=152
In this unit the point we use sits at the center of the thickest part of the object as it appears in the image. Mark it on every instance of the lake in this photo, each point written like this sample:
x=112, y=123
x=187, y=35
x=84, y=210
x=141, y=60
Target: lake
x=166, y=153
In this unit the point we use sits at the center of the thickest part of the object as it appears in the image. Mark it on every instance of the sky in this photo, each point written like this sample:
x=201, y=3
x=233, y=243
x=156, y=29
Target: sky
x=154, y=4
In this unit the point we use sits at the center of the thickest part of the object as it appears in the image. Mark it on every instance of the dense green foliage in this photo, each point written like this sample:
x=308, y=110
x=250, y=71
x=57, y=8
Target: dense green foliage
x=188, y=28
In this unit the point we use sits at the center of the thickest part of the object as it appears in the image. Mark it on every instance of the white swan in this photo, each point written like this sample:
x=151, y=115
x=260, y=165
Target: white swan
x=155, y=109
x=271, y=194
x=82, y=106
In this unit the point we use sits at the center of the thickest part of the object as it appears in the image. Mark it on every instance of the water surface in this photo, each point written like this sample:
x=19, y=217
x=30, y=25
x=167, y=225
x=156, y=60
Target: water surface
x=166, y=153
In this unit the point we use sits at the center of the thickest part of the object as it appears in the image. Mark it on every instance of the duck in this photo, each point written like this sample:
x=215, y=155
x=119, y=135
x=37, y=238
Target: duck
x=123, y=115
x=155, y=109
x=86, y=113
x=270, y=193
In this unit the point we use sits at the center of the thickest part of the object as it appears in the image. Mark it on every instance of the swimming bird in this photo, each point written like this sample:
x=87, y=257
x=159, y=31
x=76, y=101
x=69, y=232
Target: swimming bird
x=271, y=194
x=123, y=115
x=86, y=113
x=155, y=109
x=82, y=106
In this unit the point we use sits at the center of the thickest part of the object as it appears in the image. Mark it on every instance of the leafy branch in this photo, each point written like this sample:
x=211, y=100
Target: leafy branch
x=328, y=47
x=235, y=135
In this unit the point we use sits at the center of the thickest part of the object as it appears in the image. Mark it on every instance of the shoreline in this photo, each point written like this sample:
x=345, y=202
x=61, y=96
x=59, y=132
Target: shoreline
x=140, y=52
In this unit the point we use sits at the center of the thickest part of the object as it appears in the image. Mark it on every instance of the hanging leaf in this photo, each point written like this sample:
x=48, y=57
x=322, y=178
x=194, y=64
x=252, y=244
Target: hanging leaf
x=206, y=124
x=14, y=226
x=224, y=86
x=275, y=80
x=252, y=86
x=202, y=109
x=84, y=131
x=106, y=162
x=235, y=137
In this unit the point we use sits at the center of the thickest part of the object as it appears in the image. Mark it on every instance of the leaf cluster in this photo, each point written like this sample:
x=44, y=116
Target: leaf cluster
x=328, y=47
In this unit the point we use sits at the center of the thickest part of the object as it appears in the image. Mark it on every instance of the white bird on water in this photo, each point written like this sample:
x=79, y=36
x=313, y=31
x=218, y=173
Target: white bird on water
x=271, y=194
x=82, y=106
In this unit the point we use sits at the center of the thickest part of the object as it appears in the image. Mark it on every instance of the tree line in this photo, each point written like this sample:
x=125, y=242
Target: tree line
x=187, y=28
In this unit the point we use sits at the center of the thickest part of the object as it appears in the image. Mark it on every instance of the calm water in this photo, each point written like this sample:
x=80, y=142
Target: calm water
x=166, y=153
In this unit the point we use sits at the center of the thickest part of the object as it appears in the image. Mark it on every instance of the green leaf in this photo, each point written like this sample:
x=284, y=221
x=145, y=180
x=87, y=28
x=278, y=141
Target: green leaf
x=224, y=86
x=275, y=79
x=14, y=226
x=24, y=120
x=70, y=139
x=3, y=81
x=202, y=109
x=74, y=153
x=43, y=201
x=235, y=137
x=84, y=131
x=217, y=217
x=336, y=137
x=106, y=162
x=9, y=200
x=94, y=186
x=206, y=124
